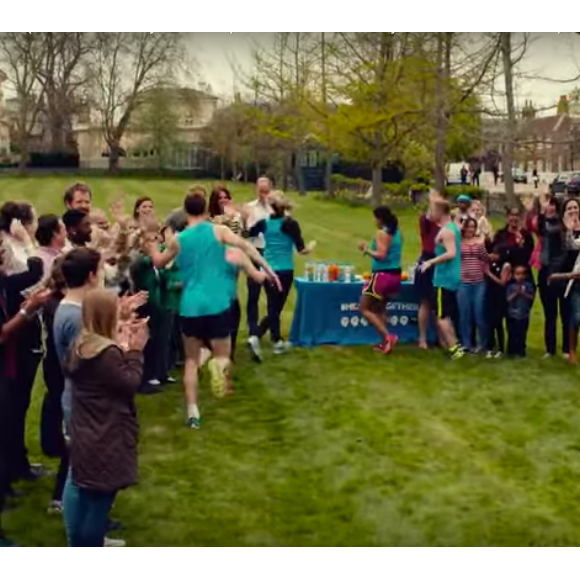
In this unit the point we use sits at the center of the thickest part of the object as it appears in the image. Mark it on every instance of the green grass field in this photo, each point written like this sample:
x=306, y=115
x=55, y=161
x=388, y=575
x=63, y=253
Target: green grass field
x=342, y=446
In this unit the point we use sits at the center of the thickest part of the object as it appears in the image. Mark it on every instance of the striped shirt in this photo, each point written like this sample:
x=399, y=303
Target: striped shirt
x=474, y=263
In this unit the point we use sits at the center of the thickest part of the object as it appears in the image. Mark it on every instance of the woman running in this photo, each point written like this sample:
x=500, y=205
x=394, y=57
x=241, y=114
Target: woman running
x=281, y=235
x=385, y=250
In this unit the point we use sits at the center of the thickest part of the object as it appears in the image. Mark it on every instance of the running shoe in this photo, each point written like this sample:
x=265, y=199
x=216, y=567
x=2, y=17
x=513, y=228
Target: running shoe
x=193, y=423
x=489, y=354
x=459, y=353
x=54, y=508
x=281, y=347
x=112, y=543
x=498, y=354
x=218, y=377
x=255, y=348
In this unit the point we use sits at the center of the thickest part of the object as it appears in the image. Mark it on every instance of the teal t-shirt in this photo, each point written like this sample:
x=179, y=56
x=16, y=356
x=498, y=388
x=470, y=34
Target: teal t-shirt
x=201, y=258
x=279, y=246
x=392, y=261
x=448, y=274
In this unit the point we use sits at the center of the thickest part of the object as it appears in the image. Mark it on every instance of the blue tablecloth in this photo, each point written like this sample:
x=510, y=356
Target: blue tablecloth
x=327, y=313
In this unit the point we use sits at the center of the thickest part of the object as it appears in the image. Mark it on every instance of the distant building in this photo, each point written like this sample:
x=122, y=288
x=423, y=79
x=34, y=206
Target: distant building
x=550, y=144
x=195, y=110
x=4, y=124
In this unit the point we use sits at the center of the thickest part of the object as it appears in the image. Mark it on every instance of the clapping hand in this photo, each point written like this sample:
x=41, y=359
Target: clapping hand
x=362, y=246
x=138, y=334
x=18, y=231
x=37, y=299
x=129, y=304
x=425, y=266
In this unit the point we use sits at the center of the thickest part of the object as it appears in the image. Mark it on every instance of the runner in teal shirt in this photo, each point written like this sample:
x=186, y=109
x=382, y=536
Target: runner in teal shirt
x=205, y=317
x=446, y=276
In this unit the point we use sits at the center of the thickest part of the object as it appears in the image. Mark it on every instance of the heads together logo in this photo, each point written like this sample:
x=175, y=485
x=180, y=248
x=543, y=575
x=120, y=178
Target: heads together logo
x=396, y=311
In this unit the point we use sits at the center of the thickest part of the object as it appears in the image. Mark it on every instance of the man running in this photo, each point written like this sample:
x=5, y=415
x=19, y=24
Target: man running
x=200, y=254
x=446, y=276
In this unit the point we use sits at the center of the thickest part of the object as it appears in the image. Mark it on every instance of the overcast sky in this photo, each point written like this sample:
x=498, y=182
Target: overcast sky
x=549, y=55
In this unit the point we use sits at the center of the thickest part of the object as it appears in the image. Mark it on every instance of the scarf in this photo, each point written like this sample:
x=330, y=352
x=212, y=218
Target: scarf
x=9, y=347
x=90, y=345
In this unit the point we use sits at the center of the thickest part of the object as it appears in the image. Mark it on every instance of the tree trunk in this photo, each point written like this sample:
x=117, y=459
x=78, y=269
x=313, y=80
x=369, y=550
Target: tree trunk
x=506, y=53
x=441, y=103
x=114, y=158
x=299, y=173
x=377, y=184
x=328, y=174
x=22, y=161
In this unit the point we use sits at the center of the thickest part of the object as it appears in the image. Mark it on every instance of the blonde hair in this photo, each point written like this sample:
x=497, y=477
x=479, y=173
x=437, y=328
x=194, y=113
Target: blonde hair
x=279, y=201
x=99, y=311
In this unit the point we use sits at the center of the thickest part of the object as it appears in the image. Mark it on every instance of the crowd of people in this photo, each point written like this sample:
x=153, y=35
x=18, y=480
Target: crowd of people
x=110, y=307
x=478, y=286
x=110, y=304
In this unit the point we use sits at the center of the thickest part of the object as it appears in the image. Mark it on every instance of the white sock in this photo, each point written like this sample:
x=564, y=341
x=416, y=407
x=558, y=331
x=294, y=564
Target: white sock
x=204, y=356
x=192, y=412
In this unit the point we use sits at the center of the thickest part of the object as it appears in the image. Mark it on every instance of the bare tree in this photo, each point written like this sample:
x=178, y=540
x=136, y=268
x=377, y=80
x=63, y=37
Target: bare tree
x=281, y=80
x=21, y=55
x=122, y=66
x=511, y=55
x=463, y=69
x=61, y=76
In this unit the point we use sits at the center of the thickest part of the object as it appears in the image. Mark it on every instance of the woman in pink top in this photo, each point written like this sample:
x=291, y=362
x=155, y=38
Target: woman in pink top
x=471, y=293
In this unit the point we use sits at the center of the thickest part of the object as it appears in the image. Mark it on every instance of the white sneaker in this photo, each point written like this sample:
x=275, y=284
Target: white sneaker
x=255, y=348
x=489, y=354
x=546, y=356
x=154, y=383
x=281, y=347
x=112, y=543
x=498, y=354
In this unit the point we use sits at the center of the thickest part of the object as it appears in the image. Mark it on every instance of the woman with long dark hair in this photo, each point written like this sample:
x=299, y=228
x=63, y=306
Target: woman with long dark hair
x=143, y=209
x=222, y=210
x=385, y=252
x=51, y=433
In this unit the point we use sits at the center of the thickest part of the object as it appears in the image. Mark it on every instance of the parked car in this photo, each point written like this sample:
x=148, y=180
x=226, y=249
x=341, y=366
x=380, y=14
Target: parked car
x=518, y=176
x=558, y=185
x=573, y=184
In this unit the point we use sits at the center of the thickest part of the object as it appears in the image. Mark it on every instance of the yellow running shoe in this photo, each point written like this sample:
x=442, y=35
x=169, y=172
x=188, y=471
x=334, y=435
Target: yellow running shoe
x=218, y=377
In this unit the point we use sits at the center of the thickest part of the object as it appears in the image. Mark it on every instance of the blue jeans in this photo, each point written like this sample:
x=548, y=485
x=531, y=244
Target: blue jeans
x=86, y=515
x=471, y=303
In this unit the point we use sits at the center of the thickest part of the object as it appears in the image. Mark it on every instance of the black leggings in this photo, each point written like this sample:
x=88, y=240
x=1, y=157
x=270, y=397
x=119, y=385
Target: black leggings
x=276, y=300
x=552, y=297
x=236, y=314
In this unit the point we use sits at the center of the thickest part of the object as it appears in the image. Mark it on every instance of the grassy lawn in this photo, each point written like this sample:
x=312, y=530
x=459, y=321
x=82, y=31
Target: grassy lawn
x=342, y=446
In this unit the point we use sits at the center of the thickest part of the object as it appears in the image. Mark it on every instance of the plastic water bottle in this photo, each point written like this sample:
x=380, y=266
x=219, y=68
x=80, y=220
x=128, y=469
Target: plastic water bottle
x=318, y=273
x=348, y=274
x=341, y=269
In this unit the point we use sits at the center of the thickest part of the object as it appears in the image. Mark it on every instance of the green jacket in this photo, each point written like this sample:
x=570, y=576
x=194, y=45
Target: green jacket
x=171, y=288
x=146, y=277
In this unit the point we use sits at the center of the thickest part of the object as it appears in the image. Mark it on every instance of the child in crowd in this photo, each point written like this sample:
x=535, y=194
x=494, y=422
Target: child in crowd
x=170, y=297
x=520, y=297
x=495, y=306
x=146, y=277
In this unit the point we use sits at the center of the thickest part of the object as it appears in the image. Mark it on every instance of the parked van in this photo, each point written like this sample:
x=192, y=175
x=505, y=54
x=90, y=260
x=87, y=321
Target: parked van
x=454, y=173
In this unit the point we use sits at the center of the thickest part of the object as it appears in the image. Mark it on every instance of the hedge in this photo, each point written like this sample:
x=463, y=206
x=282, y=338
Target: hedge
x=354, y=191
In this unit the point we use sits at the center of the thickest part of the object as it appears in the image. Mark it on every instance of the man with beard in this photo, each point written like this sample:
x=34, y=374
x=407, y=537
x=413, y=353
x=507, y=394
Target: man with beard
x=78, y=228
